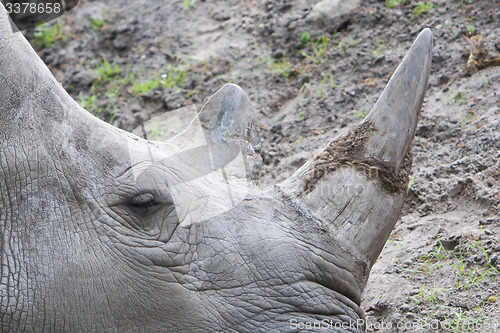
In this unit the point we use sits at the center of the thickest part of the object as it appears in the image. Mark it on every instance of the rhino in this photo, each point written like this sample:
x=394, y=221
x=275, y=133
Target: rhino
x=102, y=230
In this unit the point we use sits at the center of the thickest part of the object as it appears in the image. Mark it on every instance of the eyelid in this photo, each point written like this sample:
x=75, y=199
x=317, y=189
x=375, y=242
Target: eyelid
x=143, y=198
x=143, y=204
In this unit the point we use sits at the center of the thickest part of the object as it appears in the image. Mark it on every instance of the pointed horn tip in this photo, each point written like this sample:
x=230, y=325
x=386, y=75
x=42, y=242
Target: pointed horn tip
x=424, y=39
x=395, y=114
x=421, y=49
x=425, y=34
x=230, y=88
x=226, y=96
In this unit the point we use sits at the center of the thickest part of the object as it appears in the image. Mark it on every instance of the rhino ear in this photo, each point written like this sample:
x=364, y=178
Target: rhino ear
x=358, y=183
x=226, y=126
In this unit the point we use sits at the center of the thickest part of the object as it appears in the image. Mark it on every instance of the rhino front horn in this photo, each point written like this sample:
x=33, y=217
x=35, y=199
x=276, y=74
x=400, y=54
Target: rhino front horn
x=357, y=184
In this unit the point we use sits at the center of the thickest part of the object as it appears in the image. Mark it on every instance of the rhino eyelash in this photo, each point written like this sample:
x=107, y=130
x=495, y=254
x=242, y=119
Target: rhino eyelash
x=143, y=205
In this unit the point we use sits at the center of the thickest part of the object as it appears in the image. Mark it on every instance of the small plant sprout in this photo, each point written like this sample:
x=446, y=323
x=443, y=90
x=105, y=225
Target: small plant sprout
x=145, y=87
x=284, y=67
x=300, y=98
x=424, y=8
x=332, y=82
x=474, y=278
x=228, y=77
x=433, y=258
x=470, y=29
x=112, y=115
x=438, y=253
x=466, y=117
x=301, y=101
x=411, y=182
x=342, y=46
x=380, y=45
x=89, y=103
x=393, y=3
x=421, y=295
x=189, y=4
x=46, y=35
x=105, y=72
x=463, y=323
x=461, y=265
x=432, y=295
x=305, y=39
x=281, y=66
x=486, y=81
x=112, y=93
x=319, y=48
x=99, y=21
x=174, y=78
x=459, y=97
x=323, y=83
x=361, y=114
x=327, y=80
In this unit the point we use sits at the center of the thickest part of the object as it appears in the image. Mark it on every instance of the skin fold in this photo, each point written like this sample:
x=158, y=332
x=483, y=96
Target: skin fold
x=104, y=231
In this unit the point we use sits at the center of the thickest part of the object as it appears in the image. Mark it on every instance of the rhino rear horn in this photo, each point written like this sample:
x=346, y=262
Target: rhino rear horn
x=226, y=128
x=358, y=183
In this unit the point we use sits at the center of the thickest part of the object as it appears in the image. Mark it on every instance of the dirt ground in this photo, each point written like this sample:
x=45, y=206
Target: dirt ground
x=309, y=80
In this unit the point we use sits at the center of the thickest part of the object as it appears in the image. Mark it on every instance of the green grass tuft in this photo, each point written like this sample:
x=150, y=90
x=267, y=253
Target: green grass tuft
x=424, y=8
x=105, y=71
x=393, y=3
x=99, y=22
x=47, y=35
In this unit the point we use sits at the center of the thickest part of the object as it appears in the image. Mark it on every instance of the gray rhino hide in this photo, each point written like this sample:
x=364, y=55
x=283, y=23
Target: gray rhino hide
x=104, y=231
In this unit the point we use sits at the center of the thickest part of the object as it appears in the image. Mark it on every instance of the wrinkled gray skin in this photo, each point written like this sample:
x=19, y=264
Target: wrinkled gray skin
x=90, y=245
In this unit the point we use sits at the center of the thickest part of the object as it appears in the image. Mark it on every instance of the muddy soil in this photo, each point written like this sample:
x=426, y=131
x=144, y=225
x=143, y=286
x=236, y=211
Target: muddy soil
x=309, y=80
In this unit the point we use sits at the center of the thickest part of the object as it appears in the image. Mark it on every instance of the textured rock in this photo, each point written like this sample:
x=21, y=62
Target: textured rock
x=325, y=12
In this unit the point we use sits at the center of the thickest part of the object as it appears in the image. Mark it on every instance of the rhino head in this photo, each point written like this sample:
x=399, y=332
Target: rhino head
x=101, y=230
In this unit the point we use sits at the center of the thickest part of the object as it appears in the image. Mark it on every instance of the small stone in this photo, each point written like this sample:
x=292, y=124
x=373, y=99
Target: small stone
x=136, y=109
x=410, y=316
x=339, y=25
x=443, y=79
x=494, y=259
x=121, y=42
x=119, y=30
x=82, y=79
x=379, y=59
x=276, y=128
x=305, y=79
x=451, y=242
x=286, y=7
x=325, y=12
x=488, y=221
x=278, y=54
x=407, y=263
x=443, y=197
x=221, y=15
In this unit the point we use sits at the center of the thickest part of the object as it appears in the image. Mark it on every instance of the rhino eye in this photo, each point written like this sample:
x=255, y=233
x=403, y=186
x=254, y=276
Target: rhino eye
x=143, y=204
